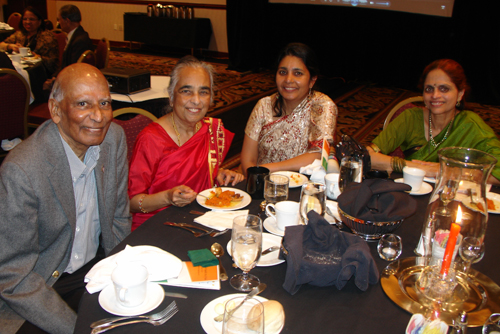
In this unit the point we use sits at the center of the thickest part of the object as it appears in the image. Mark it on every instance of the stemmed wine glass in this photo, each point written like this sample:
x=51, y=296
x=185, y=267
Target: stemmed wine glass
x=448, y=194
x=246, y=248
x=470, y=250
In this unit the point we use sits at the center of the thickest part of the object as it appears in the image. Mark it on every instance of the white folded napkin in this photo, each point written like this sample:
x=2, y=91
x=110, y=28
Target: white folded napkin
x=161, y=265
x=8, y=145
x=316, y=171
x=219, y=220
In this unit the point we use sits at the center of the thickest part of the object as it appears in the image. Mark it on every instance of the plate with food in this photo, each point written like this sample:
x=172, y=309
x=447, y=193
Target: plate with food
x=493, y=202
x=296, y=179
x=223, y=198
x=274, y=315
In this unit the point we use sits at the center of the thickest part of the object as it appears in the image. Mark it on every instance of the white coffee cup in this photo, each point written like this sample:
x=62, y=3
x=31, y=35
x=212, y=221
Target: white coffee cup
x=24, y=51
x=286, y=213
x=413, y=177
x=332, y=185
x=131, y=282
x=15, y=58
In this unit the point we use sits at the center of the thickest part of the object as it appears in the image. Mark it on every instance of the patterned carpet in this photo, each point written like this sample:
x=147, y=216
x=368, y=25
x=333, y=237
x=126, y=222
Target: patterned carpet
x=362, y=110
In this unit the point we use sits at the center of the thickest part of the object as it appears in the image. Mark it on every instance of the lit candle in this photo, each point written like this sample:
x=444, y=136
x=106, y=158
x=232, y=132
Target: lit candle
x=452, y=240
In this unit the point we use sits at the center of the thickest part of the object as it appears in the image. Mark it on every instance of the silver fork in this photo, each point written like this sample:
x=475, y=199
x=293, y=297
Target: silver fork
x=154, y=316
x=181, y=225
x=107, y=327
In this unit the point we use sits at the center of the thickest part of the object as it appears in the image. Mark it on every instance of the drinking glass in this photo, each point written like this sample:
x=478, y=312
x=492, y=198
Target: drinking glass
x=470, y=250
x=389, y=247
x=351, y=170
x=449, y=191
x=312, y=197
x=248, y=318
x=276, y=188
x=246, y=248
x=492, y=325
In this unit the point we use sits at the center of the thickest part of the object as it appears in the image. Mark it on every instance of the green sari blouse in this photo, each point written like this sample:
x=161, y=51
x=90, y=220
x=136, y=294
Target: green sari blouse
x=468, y=130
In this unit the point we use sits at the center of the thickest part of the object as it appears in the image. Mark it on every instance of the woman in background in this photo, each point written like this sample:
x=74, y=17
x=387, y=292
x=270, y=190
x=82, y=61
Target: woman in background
x=32, y=34
x=180, y=154
x=421, y=132
x=286, y=130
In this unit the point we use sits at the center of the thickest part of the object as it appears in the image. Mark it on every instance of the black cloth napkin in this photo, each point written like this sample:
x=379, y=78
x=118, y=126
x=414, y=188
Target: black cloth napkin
x=377, y=200
x=319, y=254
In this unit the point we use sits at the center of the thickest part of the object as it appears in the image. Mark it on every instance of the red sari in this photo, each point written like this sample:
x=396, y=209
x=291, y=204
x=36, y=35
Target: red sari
x=158, y=163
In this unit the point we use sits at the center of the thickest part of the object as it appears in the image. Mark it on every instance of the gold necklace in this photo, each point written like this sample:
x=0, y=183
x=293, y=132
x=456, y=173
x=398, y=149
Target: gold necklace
x=197, y=127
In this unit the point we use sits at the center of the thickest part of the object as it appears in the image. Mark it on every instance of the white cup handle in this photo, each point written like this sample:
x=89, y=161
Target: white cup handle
x=268, y=211
x=121, y=295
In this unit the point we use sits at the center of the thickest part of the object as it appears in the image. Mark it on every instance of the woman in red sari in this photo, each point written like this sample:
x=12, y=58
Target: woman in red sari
x=180, y=154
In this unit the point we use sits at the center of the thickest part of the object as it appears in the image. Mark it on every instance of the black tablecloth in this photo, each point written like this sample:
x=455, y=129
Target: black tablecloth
x=311, y=310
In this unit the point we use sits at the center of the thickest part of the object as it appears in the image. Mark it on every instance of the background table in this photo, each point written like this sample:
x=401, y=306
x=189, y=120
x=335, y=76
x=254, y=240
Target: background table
x=312, y=309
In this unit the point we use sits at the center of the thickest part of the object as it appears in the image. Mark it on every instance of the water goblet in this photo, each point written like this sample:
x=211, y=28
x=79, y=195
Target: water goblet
x=389, y=247
x=276, y=188
x=351, y=170
x=246, y=248
x=492, y=325
x=312, y=197
x=470, y=250
x=447, y=195
x=247, y=318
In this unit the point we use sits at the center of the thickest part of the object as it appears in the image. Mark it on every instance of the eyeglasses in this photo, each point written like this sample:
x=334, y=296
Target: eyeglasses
x=30, y=19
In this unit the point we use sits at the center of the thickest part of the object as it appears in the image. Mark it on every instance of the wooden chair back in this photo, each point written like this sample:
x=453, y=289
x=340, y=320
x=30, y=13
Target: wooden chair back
x=88, y=57
x=102, y=53
x=14, y=20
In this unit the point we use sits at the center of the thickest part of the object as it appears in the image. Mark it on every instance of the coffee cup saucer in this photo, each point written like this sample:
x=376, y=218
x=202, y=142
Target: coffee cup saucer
x=425, y=188
x=271, y=227
x=108, y=302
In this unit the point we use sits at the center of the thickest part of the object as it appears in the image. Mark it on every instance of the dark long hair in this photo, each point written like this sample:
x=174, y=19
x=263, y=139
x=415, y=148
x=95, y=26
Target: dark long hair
x=453, y=70
x=37, y=14
x=309, y=59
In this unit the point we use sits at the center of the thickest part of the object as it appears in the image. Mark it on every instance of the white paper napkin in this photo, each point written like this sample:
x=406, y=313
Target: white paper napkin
x=219, y=220
x=8, y=145
x=316, y=171
x=161, y=265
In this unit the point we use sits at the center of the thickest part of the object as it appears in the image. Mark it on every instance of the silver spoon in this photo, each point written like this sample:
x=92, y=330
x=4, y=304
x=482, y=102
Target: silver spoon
x=337, y=222
x=261, y=287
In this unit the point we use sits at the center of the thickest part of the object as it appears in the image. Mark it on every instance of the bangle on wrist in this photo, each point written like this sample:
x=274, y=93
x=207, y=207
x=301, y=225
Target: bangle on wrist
x=140, y=204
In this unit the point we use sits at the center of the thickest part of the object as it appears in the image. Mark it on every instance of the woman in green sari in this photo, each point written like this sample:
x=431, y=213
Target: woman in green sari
x=421, y=132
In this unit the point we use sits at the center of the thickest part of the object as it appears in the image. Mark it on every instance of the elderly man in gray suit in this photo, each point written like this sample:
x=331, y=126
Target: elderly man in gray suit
x=63, y=205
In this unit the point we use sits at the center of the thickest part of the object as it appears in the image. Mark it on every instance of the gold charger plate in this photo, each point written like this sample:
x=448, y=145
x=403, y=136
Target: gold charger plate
x=398, y=282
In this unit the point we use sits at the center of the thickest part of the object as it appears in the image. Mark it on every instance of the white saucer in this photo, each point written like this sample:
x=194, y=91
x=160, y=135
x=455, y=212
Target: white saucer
x=208, y=314
x=424, y=189
x=107, y=300
x=270, y=226
x=270, y=259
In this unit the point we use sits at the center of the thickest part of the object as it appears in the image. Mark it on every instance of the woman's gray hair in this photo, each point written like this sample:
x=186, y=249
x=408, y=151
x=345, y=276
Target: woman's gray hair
x=188, y=61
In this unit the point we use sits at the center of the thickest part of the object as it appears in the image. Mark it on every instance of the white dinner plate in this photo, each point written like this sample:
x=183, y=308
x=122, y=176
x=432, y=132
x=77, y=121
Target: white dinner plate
x=208, y=314
x=492, y=196
x=234, y=206
x=270, y=226
x=107, y=300
x=430, y=179
x=270, y=259
x=424, y=189
x=296, y=179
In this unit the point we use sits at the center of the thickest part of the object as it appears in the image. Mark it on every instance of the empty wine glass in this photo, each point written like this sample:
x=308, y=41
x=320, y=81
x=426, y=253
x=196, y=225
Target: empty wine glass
x=246, y=248
x=389, y=247
x=312, y=197
x=248, y=318
x=276, y=188
x=470, y=250
x=492, y=325
x=447, y=195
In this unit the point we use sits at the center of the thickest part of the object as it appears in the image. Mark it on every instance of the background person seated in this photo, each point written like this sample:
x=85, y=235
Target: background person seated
x=285, y=131
x=421, y=132
x=32, y=34
x=180, y=154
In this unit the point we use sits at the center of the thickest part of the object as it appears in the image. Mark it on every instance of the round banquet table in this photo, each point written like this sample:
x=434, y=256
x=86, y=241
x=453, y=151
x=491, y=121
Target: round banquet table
x=311, y=310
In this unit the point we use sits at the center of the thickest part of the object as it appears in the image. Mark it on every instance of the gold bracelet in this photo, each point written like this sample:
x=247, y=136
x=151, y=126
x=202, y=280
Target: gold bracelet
x=397, y=164
x=140, y=204
x=374, y=147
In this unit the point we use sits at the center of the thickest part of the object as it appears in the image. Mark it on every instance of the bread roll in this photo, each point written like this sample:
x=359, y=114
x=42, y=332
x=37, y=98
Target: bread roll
x=274, y=317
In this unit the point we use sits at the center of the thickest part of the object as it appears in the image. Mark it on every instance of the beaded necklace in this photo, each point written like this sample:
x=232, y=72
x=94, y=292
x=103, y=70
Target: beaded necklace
x=431, y=139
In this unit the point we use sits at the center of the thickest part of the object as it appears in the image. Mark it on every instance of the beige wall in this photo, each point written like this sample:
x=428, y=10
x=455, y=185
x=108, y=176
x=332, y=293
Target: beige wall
x=99, y=19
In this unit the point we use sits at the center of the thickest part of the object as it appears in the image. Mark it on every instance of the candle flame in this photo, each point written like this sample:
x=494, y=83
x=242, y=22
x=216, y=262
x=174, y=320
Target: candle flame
x=459, y=215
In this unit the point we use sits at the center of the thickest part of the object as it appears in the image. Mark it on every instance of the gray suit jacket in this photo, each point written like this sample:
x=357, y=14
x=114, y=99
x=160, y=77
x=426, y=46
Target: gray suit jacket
x=37, y=224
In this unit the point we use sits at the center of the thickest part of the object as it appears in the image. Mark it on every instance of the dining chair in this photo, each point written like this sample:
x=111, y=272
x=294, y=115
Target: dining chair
x=37, y=114
x=132, y=124
x=88, y=57
x=102, y=53
x=15, y=97
x=396, y=111
x=14, y=20
x=61, y=42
